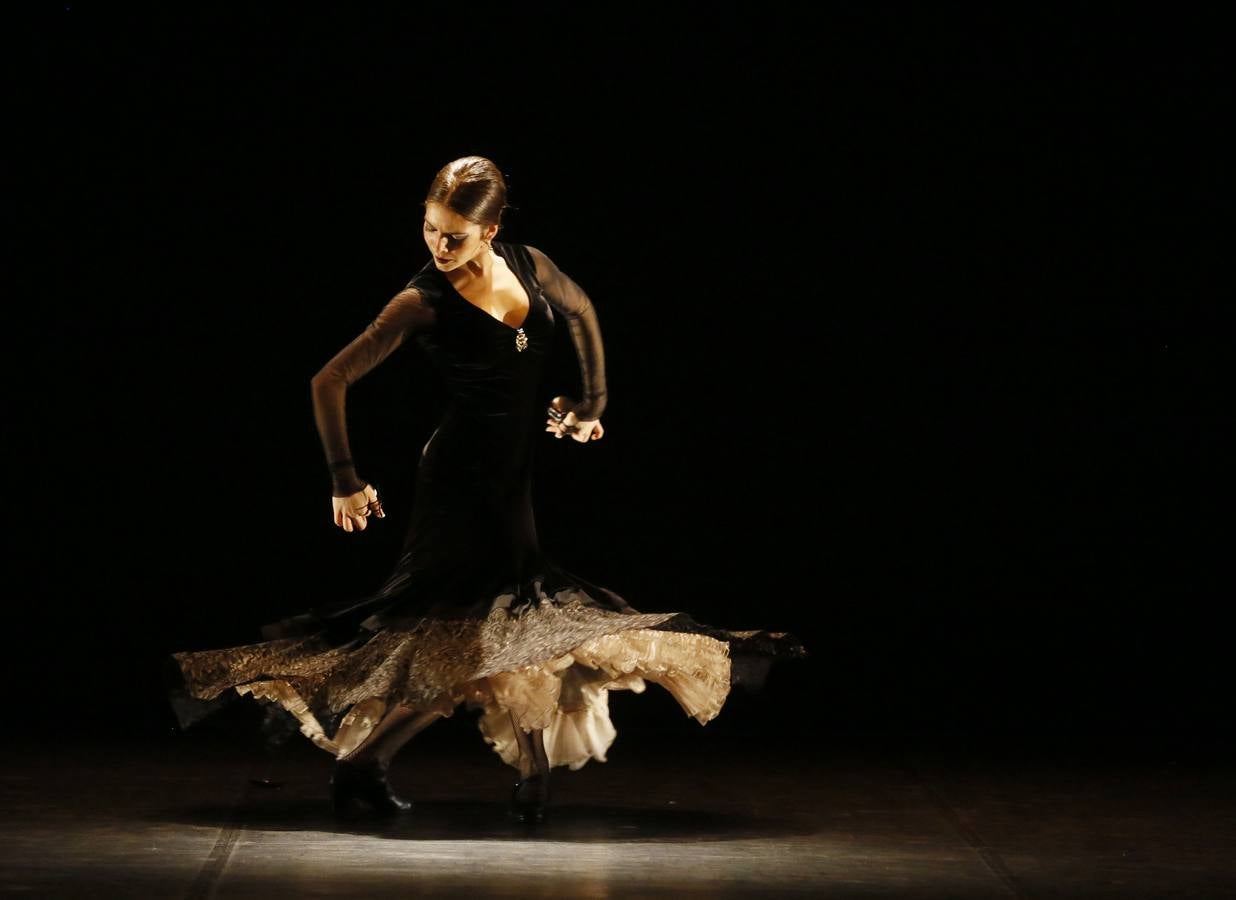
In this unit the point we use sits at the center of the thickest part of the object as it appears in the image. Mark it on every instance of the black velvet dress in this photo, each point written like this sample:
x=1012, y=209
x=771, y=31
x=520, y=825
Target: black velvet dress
x=473, y=612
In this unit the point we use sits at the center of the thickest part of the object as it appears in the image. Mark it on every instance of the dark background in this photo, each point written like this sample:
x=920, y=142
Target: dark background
x=911, y=318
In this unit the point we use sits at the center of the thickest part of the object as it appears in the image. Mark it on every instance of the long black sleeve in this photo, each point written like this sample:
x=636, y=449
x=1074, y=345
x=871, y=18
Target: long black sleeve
x=569, y=299
x=406, y=313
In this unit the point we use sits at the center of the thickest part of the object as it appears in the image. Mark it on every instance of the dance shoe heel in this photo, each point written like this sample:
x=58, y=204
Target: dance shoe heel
x=364, y=781
x=530, y=799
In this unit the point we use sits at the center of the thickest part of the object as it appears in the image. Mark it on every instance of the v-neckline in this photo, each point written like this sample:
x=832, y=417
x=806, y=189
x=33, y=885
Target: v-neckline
x=515, y=269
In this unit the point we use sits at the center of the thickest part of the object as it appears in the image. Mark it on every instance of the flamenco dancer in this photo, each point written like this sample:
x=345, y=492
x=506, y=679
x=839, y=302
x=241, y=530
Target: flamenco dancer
x=473, y=613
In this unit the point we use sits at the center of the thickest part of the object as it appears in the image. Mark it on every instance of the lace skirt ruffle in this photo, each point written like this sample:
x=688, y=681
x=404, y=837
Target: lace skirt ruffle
x=569, y=696
x=549, y=668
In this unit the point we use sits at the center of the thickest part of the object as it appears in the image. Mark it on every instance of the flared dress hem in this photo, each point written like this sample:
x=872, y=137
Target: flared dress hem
x=550, y=666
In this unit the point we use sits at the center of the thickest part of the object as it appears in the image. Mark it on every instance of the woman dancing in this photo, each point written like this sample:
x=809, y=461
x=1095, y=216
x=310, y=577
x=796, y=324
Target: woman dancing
x=473, y=613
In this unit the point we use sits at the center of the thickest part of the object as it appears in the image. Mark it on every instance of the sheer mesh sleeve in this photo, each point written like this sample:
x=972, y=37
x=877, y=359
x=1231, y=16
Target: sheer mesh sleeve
x=406, y=313
x=569, y=299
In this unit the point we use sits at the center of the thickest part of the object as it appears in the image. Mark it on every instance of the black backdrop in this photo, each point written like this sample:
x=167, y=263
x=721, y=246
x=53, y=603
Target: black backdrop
x=911, y=317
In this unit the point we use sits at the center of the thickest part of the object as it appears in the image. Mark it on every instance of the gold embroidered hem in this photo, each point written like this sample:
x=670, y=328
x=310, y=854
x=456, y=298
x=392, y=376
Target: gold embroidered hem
x=566, y=696
x=549, y=667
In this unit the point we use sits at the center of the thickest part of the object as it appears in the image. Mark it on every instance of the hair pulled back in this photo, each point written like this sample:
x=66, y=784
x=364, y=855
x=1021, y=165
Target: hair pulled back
x=472, y=187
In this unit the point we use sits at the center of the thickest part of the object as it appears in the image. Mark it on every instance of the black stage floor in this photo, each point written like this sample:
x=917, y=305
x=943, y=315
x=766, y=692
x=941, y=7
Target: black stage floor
x=188, y=816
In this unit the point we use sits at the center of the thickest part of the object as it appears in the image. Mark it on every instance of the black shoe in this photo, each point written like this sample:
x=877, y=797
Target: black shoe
x=365, y=781
x=530, y=799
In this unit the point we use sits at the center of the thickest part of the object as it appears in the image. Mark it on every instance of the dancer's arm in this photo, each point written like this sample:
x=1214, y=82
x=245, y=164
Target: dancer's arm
x=569, y=298
x=404, y=314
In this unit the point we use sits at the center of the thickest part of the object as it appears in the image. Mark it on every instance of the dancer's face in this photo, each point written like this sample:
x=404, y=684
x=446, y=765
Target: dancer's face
x=451, y=238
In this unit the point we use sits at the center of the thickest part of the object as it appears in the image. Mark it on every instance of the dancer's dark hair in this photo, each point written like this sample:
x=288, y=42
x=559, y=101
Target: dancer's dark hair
x=473, y=187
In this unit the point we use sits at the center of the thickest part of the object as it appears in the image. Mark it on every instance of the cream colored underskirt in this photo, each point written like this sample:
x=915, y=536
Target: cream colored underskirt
x=567, y=696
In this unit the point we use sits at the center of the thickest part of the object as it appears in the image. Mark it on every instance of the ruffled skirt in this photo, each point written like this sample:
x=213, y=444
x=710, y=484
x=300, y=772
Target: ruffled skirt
x=547, y=666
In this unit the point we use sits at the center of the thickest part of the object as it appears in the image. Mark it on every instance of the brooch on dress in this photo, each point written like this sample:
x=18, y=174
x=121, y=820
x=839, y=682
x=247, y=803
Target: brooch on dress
x=521, y=339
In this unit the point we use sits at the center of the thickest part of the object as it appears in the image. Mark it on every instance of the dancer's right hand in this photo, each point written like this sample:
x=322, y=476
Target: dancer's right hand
x=352, y=513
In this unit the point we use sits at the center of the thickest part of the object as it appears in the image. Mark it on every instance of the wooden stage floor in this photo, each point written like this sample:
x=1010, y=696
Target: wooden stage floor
x=184, y=816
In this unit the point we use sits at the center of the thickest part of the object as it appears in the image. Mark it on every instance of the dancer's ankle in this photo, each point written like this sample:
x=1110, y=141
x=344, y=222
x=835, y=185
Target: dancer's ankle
x=365, y=754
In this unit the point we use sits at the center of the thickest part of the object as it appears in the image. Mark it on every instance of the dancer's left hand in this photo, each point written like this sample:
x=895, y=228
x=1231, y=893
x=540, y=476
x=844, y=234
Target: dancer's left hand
x=586, y=430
